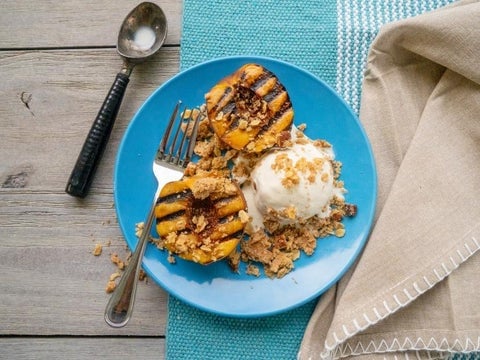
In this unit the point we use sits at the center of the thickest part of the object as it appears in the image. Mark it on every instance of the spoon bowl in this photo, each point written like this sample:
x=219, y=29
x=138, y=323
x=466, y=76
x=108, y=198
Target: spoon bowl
x=141, y=35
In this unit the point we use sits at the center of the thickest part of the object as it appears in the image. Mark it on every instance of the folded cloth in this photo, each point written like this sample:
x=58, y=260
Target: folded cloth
x=416, y=289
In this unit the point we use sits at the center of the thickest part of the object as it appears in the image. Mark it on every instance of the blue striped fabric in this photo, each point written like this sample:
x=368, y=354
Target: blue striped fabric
x=358, y=23
x=331, y=39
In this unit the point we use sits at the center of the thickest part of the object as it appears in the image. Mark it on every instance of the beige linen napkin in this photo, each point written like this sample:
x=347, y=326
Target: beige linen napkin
x=415, y=291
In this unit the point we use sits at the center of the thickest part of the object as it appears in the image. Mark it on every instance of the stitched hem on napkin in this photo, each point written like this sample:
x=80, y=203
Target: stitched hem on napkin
x=440, y=346
x=399, y=299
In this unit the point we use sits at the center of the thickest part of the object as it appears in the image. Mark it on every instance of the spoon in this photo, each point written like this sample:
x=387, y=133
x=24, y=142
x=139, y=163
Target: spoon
x=141, y=35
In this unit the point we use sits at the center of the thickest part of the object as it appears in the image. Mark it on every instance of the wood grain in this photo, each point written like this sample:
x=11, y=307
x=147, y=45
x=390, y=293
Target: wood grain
x=81, y=348
x=51, y=283
x=49, y=101
x=72, y=23
x=57, y=61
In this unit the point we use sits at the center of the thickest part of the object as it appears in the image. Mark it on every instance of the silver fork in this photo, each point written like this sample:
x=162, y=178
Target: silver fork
x=169, y=165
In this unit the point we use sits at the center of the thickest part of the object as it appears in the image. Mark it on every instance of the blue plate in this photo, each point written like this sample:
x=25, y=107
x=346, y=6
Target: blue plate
x=215, y=288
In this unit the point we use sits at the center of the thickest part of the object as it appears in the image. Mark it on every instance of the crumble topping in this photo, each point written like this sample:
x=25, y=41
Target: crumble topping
x=253, y=270
x=209, y=186
x=117, y=261
x=251, y=110
x=97, y=251
x=277, y=246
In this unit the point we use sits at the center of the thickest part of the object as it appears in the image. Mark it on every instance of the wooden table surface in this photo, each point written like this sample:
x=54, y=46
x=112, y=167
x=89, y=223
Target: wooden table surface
x=57, y=62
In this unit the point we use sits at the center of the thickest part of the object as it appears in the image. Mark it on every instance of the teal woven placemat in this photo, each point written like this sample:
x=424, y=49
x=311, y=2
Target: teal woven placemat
x=300, y=32
x=330, y=39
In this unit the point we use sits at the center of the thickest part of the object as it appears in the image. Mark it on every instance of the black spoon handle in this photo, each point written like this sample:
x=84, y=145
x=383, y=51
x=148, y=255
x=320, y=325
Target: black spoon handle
x=96, y=141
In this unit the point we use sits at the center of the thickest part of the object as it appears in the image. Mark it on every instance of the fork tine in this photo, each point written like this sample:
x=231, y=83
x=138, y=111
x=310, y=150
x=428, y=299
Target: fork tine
x=166, y=135
x=178, y=156
x=171, y=149
x=188, y=141
x=180, y=147
x=192, y=140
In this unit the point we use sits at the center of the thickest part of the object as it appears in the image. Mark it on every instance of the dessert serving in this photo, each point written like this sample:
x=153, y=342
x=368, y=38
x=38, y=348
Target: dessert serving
x=285, y=280
x=250, y=110
x=200, y=218
x=261, y=192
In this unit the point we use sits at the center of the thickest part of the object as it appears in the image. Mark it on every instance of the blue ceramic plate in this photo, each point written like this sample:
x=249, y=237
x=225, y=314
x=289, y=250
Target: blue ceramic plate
x=215, y=288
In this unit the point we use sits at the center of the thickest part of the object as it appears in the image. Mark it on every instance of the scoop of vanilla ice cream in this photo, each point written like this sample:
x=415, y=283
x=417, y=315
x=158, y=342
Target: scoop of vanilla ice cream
x=297, y=182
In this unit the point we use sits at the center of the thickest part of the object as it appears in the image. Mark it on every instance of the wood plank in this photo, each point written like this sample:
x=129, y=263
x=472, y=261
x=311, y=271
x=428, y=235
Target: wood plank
x=82, y=348
x=49, y=101
x=52, y=284
x=71, y=23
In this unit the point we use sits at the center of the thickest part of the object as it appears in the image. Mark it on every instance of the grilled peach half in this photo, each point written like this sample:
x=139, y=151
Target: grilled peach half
x=250, y=110
x=201, y=218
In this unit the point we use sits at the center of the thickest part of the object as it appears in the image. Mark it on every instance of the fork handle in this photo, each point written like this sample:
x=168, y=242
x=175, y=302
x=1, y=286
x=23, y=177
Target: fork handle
x=120, y=306
x=96, y=141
